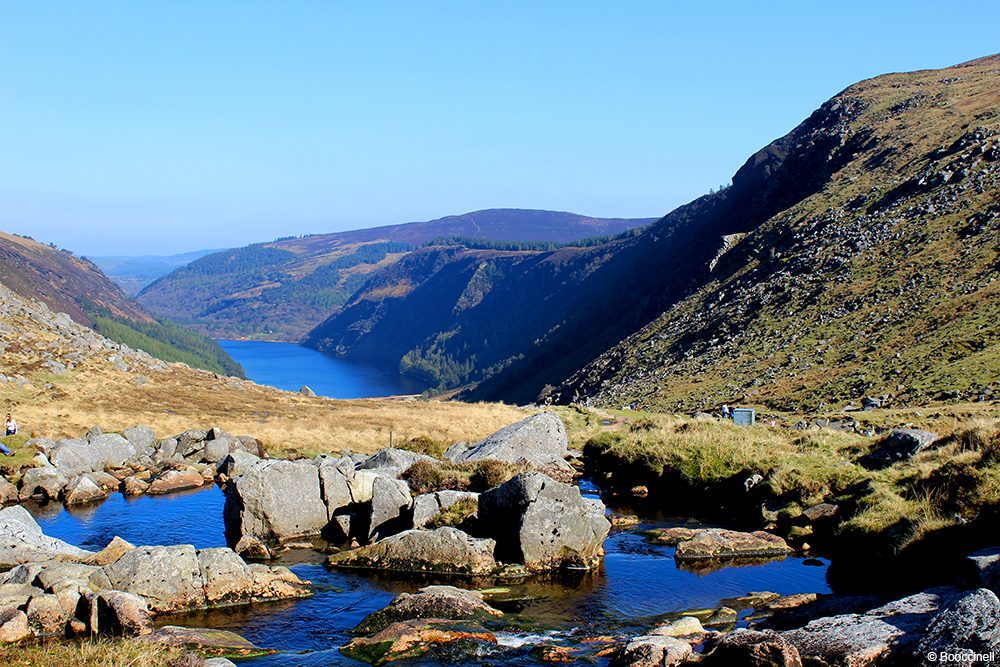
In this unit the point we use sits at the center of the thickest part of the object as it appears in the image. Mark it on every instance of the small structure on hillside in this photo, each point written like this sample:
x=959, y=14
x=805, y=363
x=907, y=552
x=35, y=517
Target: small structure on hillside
x=744, y=416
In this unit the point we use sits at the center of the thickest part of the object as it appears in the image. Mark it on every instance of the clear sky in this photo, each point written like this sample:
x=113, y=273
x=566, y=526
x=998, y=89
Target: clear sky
x=160, y=127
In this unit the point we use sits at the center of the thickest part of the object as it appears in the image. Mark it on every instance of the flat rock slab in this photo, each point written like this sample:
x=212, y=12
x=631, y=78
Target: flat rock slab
x=22, y=540
x=206, y=640
x=410, y=639
x=445, y=550
x=718, y=544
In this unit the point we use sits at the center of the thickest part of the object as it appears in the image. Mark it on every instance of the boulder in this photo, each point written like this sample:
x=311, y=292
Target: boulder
x=190, y=444
x=877, y=637
x=985, y=566
x=444, y=602
x=45, y=615
x=8, y=492
x=652, y=651
x=226, y=578
x=277, y=582
x=175, y=480
x=13, y=626
x=122, y=614
x=112, y=450
x=169, y=578
x=83, y=490
x=902, y=444
x=133, y=486
x=445, y=550
x=275, y=500
x=538, y=441
x=342, y=485
x=393, y=460
x=718, y=544
x=752, y=648
x=970, y=625
x=142, y=438
x=685, y=626
x=104, y=481
x=75, y=457
x=389, y=507
x=427, y=506
x=252, y=548
x=410, y=639
x=206, y=639
x=306, y=391
x=543, y=524
x=22, y=540
x=116, y=548
x=236, y=463
x=47, y=482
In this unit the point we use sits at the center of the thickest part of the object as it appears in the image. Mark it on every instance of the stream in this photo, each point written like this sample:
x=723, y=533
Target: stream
x=635, y=586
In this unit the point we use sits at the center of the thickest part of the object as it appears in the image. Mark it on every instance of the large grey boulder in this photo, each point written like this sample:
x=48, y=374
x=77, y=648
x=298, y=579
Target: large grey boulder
x=652, y=651
x=22, y=540
x=901, y=444
x=46, y=482
x=880, y=636
x=122, y=614
x=83, y=490
x=142, y=438
x=8, y=492
x=168, y=578
x=428, y=506
x=389, y=507
x=392, y=460
x=539, y=441
x=75, y=457
x=236, y=463
x=445, y=550
x=274, y=500
x=543, y=523
x=970, y=625
x=342, y=485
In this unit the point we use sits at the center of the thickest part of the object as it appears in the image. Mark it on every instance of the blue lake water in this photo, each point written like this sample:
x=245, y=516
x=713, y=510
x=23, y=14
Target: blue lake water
x=635, y=585
x=289, y=366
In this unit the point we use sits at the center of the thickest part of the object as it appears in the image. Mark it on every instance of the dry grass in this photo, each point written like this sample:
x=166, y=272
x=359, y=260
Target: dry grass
x=99, y=653
x=286, y=422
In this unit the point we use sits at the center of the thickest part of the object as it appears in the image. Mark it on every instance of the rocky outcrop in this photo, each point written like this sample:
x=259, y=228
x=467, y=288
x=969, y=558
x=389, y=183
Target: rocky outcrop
x=390, y=507
x=971, y=625
x=902, y=444
x=428, y=506
x=393, y=461
x=445, y=550
x=543, y=524
x=275, y=500
x=538, y=441
x=22, y=540
x=444, y=602
x=168, y=578
x=720, y=544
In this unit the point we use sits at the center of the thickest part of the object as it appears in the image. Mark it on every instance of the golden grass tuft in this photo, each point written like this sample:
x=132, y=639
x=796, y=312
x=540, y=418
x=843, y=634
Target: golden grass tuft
x=97, y=653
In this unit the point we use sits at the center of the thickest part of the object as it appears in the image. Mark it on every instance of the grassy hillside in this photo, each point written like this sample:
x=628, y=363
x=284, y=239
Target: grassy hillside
x=883, y=281
x=77, y=287
x=854, y=256
x=281, y=290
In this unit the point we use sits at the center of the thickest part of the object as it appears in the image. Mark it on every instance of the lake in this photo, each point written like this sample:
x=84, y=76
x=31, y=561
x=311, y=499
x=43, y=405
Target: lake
x=290, y=366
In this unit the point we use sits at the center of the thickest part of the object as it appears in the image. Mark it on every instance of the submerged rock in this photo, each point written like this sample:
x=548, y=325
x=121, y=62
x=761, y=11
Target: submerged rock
x=444, y=550
x=652, y=651
x=410, y=639
x=543, y=524
x=206, y=640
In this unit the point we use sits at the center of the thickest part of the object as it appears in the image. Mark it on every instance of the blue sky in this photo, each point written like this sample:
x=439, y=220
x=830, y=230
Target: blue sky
x=161, y=127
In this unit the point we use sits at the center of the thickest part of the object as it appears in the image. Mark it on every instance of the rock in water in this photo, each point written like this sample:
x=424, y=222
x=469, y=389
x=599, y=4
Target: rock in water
x=175, y=480
x=169, y=578
x=22, y=540
x=652, y=651
x=543, y=523
x=274, y=500
x=539, y=441
x=717, y=544
x=410, y=639
x=445, y=550
x=83, y=490
x=445, y=602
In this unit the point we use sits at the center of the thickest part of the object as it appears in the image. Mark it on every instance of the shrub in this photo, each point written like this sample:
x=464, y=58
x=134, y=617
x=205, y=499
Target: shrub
x=428, y=477
x=456, y=514
x=490, y=473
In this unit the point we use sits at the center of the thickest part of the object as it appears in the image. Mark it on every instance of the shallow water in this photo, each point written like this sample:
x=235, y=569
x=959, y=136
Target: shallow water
x=289, y=366
x=637, y=584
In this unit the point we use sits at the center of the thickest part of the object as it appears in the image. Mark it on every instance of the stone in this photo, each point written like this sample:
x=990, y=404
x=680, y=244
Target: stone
x=133, y=486
x=444, y=602
x=543, y=524
x=652, y=651
x=226, y=577
x=669, y=536
x=410, y=639
x=444, y=550
x=175, y=480
x=538, y=441
x=123, y=614
x=306, y=391
x=83, y=490
x=112, y=451
x=970, y=624
x=901, y=444
x=342, y=485
x=169, y=578
x=685, y=626
x=105, y=481
x=236, y=463
x=116, y=548
x=427, y=506
x=275, y=500
x=393, y=460
x=985, y=566
x=13, y=626
x=47, y=482
x=203, y=638
x=22, y=540
x=142, y=438
x=252, y=548
x=718, y=543
x=45, y=615
x=820, y=512
x=8, y=492
x=752, y=648
x=390, y=503
x=277, y=582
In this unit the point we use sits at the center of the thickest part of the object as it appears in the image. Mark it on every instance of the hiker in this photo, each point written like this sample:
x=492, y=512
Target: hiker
x=726, y=412
x=10, y=428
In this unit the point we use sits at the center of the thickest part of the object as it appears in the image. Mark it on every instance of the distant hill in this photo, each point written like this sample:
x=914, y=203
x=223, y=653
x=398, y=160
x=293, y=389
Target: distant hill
x=855, y=256
x=77, y=287
x=283, y=289
x=134, y=273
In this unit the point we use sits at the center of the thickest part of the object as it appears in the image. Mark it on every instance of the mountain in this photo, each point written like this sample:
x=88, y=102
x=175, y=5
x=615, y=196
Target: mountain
x=283, y=289
x=76, y=286
x=856, y=255
x=134, y=273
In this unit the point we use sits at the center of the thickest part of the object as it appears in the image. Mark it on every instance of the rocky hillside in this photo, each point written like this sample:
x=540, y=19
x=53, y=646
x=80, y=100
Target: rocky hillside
x=77, y=287
x=883, y=280
x=281, y=290
x=856, y=255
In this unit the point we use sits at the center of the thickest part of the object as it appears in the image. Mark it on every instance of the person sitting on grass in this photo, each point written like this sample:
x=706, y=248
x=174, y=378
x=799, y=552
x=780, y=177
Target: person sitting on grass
x=10, y=428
